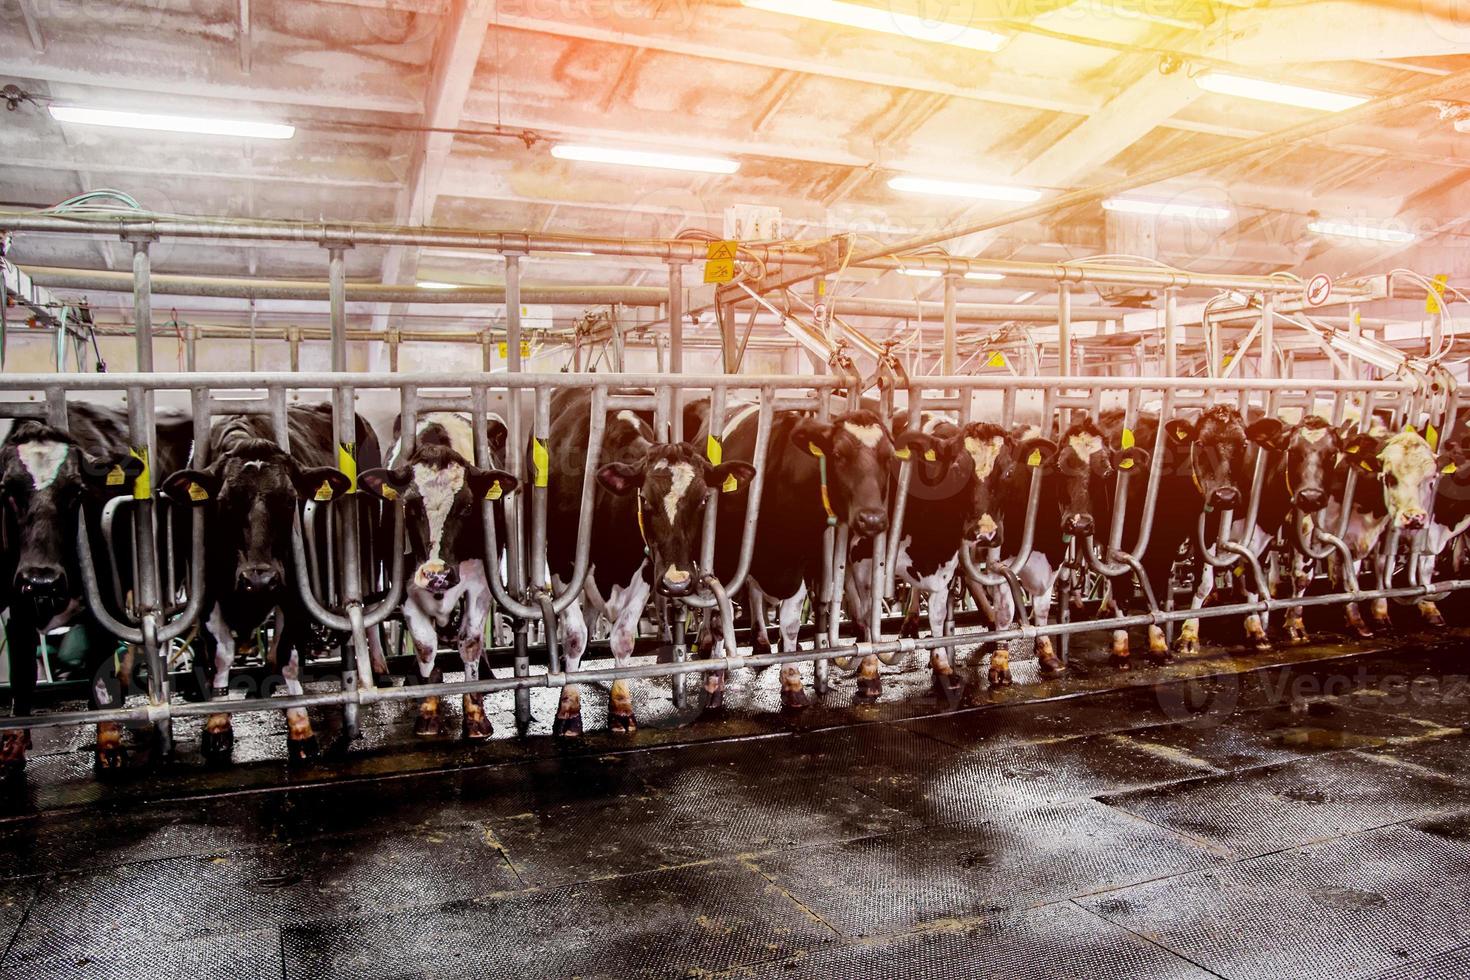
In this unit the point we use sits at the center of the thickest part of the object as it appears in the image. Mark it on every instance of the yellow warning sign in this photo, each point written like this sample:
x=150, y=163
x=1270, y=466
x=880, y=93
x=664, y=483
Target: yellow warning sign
x=721, y=250
x=719, y=270
x=504, y=349
x=1432, y=301
x=997, y=360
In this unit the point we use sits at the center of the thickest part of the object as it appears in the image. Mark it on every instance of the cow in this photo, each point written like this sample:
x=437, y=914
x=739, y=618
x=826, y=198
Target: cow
x=817, y=474
x=252, y=490
x=648, y=510
x=448, y=593
x=954, y=501
x=1074, y=509
x=50, y=481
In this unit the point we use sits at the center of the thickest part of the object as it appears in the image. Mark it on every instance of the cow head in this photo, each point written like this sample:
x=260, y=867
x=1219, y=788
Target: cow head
x=859, y=454
x=1214, y=447
x=1410, y=469
x=672, y=482
x=1312, y=448
x=977, y=460
x=44, y=479
x=254, y=488
x=1084, y=465
x=441, y=492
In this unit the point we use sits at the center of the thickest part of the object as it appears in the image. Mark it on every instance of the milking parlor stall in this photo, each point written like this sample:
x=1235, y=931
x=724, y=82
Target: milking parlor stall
x=734, y=489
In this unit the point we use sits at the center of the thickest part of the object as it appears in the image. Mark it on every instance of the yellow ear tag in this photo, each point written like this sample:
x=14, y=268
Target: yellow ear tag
x=1125, y=464
x=713, y=449
x=904, y=453
x=730, y=485
x=324, y=492
x=814, y=450
x=1366, y=465
x=494, y=492
x=1035, y=458
x=196, y=492
x=1431, y=436
x=1449, y=468
x=931, y=456
x=387, y=492
x=1181, y=434
x=116, y=476
x=1127, y=440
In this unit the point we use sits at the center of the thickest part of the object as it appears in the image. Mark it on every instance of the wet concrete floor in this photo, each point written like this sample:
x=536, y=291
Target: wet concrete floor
x=1300, y=813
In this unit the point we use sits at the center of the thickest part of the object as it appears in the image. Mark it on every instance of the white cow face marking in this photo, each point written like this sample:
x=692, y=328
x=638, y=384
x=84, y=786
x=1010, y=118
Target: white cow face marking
x=984, y=453
x=1313, y=436
x=680, y=476
x=437, y=488
x=1084, y=444
x=1410, y=476
x=42, y=461
x=868, y=435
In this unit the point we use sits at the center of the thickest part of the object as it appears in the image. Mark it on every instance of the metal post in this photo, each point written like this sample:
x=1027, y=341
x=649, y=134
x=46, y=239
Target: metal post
x=1355, y=331
x=1268, y=336
x=1064, y=329
x=1171, y=334
x=950, y=353
x=514, y=557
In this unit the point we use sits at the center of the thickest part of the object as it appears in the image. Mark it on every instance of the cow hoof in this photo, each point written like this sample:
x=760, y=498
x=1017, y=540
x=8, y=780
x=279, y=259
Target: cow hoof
x=299, y=750
x=1186, y=648
x=11, y=770
x=1260, y=644
x=1052, y=667
x=1159, y=658
x=478, y=729
x=1120, y=661
x=568, y=727
x=794, y=699
x=622, y=724
x=947, y=687
x=110, y=759
x=217, y=746
x=426, y=726
x=999, y=676
x=869, y=689
x=714, y=700
x=1296, y=634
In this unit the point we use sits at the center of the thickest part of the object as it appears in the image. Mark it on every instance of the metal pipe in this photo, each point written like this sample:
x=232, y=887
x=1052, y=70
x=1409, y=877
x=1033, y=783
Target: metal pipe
x=950, y=353
x=1268, y=336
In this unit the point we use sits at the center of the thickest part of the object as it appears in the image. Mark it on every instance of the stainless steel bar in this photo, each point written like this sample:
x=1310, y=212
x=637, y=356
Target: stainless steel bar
x=1268, y=336
x=1171, y=333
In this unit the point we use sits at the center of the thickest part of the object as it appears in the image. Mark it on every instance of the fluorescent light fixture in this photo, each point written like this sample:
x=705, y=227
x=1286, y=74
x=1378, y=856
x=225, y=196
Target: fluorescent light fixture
x=984, y=276
x=1245, y=87
x=886, y=21
x=431, y=284
x=1167, y=209
x=644, y=158
x=921, y=273
x=1372, y=233
x=1029, y=294
x=203, y=125
x=959, y=188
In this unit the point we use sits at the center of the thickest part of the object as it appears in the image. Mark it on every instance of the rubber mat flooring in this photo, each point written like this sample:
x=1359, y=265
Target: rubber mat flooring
x=1296, y=817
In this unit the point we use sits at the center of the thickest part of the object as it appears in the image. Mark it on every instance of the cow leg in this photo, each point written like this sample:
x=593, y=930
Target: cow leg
x=910, y=627
x=378, y=657
x=860, y=597
x=1427, y=608
x=472, y=645
x=1040, y=579
x=1378, y=611
x=301, y=743
x=627, y=608
x=21, y=640
x=1003, y=616
x=1295, y=626
x=760, y=644
x=218, y=738
x=568, y=721
x=947, y=684
x=793, y=692
x=109, y=690
x=1187, y=644
x=425, y=646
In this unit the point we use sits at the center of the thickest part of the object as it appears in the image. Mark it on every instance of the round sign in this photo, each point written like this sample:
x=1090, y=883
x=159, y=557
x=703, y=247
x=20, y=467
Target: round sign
x=1318, y=289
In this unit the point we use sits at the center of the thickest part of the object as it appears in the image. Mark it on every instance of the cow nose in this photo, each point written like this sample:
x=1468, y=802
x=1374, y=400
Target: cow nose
x=1412, y=520
x=1225, y=498
x=1078, y=525
x=1310, y=500
x=676, y=582
x=443, y=581
x=871, y=521
x=985, y=532
x=258, y=578
x=41, y=580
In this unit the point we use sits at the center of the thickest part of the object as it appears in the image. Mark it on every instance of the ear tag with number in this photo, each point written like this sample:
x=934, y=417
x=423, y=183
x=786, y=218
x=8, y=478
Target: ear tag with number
x=1126, y=463
x=1035, y=458
x=116, y=477
x=730, y=485
x=1449, y=468
x=494, y=493
x=1127, y=441
x=931, y=455
x=1431, y=436
x=387, y=492
x=1181, y=434
x=813, y=448
x=196, y=492
x=904, y=453
x=324, y=492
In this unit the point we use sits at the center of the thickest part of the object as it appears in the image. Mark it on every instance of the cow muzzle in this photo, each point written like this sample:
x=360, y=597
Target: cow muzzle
x=1309, y=500
x=676, y=582
x=437, y=577
x=870, y=522
x=1224, y=498
x=1412, y=520
x=40, y=581
x=984, y=533
x=257, y=579
x=1078, y=525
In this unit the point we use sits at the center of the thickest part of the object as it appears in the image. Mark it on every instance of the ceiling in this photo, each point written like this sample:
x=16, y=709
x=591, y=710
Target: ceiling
x=434, y=112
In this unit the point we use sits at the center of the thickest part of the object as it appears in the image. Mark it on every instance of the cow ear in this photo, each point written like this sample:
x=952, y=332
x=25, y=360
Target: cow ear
x=1134, y=459
x=1179, y=431
x=383, y=483
x=621, y=478
x=920, y=447
x=490, y=484
x=1036, y=452
x=1267, y=433
x=811, y=436
x=111, y=475
x=731, y=476
x=191, y=487
x=320, y=483
x=498, y=436
x=1361, y=451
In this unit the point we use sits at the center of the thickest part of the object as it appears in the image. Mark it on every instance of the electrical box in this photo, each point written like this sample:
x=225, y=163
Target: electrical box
x=753, y=223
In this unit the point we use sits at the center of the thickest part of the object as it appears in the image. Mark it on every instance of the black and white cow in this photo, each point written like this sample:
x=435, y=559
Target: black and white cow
x=252, y=490
x=647, y=522
x=449, y=594
x=795, y=509
x=50, y=481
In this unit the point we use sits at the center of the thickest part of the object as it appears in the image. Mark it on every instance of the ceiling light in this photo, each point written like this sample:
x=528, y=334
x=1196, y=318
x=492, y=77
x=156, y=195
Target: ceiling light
x=886, y=21
x=921, y=273
x=1027, y=295
x=1224, y=83
x=1372, y=233
x=204, y=125
x=984, y=276
x=644, y=158
x=431, y=284
x=1167, y=209
x=957, y=188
